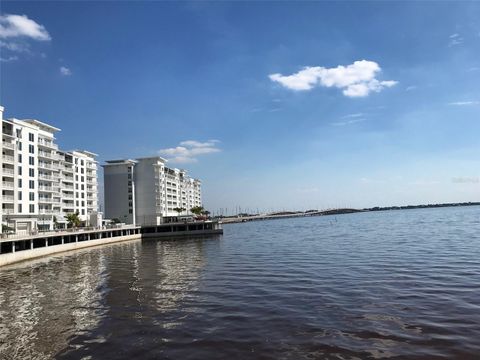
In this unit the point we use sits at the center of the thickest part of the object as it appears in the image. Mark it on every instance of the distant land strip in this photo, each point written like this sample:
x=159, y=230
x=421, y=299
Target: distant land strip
x=244, y=217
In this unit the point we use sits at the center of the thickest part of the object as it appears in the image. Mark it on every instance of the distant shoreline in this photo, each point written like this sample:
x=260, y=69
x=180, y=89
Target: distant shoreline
x=296, y=214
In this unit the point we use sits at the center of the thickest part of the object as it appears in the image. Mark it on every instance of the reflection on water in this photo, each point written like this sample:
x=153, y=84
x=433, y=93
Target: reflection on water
x=42, y=305
x=402, y=284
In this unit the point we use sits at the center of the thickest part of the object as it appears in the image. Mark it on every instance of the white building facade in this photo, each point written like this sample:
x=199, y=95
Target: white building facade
x=143, y=191
x=40, y=183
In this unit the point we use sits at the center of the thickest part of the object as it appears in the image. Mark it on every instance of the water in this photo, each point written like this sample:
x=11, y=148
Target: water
x=398, y=284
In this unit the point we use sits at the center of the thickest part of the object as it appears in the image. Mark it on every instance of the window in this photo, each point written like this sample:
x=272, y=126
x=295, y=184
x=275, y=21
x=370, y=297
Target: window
x=83, y=178
x=77, y=203
x=19, y=170
x=19, y=183
x=19, y=195
x=76, y=177
x=82, y=170
x=20, y=158
x=83, y=187
x=81, y=162
x=20, y=146
x=32, y=208
x=19, y=208
x=31, y=160
x=31, y=196
x=31, y=137
x=31, y=149
x=31, y=184
x=130, y=211
x=19, y=133
x=76, y=186
x=83, y=195
x=83, y=203
x=31, y=172
x=83, y=211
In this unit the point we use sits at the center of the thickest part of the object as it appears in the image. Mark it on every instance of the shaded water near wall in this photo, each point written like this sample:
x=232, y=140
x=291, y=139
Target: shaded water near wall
x=398, y=284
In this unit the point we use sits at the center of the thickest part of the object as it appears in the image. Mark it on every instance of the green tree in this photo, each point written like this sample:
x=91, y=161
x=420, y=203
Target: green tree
x=197, y=210
x=179, y=210
x=73, y=220
x=55, y=222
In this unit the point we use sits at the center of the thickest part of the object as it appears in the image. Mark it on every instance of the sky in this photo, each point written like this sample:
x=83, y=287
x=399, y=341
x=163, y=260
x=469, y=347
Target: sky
x=273, y=105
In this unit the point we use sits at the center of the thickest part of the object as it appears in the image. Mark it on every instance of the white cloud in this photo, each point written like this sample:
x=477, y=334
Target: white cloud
x=356, y=80
x=356, y=115
x=8, y=59
x=464, y=103
x=65, y=71
x=455, y=39
x=15, y=47
x=410, y=88
x=189, y=150
x=13, y=26
x=348, y=122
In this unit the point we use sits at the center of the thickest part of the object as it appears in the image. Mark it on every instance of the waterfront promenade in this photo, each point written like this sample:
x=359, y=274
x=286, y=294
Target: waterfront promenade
x=24, y=247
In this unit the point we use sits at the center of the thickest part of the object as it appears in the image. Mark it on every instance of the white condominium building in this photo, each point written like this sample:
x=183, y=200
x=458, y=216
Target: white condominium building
x=144, y=190
x=40, y=183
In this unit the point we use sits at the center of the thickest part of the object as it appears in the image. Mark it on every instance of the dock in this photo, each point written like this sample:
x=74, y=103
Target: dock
x=19, y=248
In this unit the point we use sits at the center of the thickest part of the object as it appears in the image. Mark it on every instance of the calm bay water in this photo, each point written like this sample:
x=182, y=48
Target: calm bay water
x=398, y=284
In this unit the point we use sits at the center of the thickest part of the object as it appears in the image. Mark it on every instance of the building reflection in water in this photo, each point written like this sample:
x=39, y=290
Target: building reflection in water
x=43, y=304
x=67, y=305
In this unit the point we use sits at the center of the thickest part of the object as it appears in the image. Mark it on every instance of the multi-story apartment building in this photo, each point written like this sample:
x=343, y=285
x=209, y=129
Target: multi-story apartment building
x=40, y=183
x=144, y=190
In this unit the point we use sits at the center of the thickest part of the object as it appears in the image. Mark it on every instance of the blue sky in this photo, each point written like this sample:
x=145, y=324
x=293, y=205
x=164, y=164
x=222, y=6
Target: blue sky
x=274, y=105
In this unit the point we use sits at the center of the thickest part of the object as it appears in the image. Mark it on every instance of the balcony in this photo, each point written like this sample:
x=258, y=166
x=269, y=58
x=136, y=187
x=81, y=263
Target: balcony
x=46, y=188
x=8, y=145
x=8, y=185
x=68, y=196
x=8, y=159
x=45, y=165
x=47, y=143
x=45, y=200
x=8, y=172
x=7, y=198
x=46, y=211
x=45, y=177
x=7, y=211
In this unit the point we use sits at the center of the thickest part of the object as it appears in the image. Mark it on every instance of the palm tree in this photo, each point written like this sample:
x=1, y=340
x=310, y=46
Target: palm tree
x=197, y=210
x=73, y=220
x=55, y=223
x=179, y=210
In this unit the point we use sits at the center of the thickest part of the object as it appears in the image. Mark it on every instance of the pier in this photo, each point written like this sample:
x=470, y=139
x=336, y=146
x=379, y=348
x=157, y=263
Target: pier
x=20, y=248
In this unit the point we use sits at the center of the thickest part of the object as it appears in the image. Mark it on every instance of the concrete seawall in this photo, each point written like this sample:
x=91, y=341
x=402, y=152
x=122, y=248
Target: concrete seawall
x=14, y=257
x=31, y=247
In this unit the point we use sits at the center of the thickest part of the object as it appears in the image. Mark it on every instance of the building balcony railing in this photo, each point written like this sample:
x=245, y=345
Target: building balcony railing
x=8, y=172
x=7, y=211
x=7, y=198
x=45, y=165
x=43, y=200
x=46, y=211
x=67, y=187
x=67, y=196
x=46, y=188
x=8, y=145
x=8, y=185
x=8, y=158
x=45, y=177
x=47, y=144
